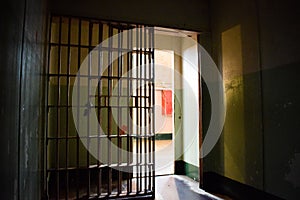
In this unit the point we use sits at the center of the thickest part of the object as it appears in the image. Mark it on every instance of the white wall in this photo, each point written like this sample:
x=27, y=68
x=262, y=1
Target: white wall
x=186, y=93
x=190, y=103
x=164, y=80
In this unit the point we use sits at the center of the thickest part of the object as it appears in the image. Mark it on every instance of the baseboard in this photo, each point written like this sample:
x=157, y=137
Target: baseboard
x=215, y=183
x=163, y=136
x=184, y=168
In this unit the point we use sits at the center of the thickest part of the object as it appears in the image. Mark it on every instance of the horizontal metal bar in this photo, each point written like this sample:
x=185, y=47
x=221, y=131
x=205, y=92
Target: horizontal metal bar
x=101, y=48
x=130, y=96
x=103, y=136
x=89, y=107
x=100, y=167
x=133, y=195
x=101, y=77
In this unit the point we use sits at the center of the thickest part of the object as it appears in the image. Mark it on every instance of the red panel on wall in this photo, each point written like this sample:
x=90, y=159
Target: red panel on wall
x=167, y=102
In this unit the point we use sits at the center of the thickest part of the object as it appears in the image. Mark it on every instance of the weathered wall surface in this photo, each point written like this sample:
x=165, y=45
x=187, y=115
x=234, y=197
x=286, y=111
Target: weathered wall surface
x=22, y=46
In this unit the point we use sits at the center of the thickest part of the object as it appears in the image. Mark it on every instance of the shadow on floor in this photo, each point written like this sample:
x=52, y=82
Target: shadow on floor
x=180, y=187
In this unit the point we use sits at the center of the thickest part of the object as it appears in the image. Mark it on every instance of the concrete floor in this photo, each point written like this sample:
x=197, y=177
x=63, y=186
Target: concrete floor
x=177, y=187
x=164, y=157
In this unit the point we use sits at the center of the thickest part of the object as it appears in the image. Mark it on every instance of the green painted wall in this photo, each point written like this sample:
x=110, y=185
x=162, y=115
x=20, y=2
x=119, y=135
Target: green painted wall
x=239, y=152
x=280, y=62
x=260, y=141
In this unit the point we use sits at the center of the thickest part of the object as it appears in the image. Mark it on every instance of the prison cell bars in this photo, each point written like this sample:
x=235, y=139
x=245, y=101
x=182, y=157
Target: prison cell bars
x=140, y=107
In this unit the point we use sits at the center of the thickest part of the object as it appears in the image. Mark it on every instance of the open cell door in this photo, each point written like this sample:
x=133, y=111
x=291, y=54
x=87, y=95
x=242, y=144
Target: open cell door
x=100, y=110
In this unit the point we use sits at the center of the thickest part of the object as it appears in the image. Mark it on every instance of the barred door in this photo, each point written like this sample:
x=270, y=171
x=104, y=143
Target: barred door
x=107, y=69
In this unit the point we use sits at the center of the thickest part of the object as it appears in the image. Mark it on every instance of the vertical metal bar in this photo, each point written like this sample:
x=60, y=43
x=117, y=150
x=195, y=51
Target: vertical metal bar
x=153, y=110
x=48, y=173
x=145, y=110
x=128, y=109
x=129, y=84
x=137, y=112
x=141, y=106
x=78, y=111
x=150, y=109
x=88, y=107
x=99, y=186
x=57, y=110
x=119, y=109
x=109, y=109
x=67, y=117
